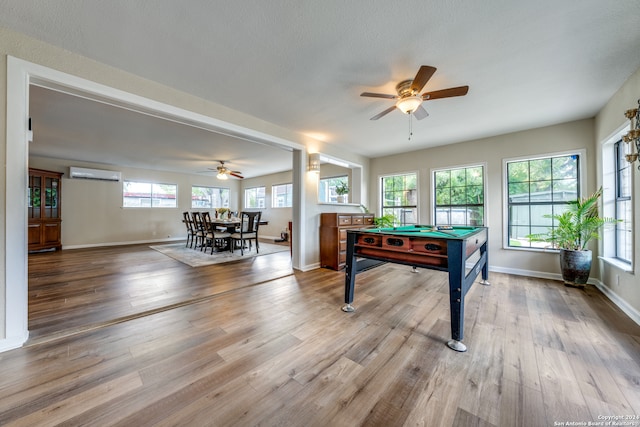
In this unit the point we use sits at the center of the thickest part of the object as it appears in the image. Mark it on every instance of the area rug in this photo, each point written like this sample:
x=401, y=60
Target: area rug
x=195, y=258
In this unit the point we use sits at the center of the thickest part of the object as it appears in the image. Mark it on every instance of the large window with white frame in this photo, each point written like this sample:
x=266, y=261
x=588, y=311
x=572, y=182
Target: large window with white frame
x=536, y=189
x=137, y=194
x=459, y=196
x=399, y=198
x=254, y=197
x=623, y=204
x=282, y=196
x=209, y=197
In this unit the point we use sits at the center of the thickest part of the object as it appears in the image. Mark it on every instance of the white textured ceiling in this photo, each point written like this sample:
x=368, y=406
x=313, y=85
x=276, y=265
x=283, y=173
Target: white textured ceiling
x=302, y=64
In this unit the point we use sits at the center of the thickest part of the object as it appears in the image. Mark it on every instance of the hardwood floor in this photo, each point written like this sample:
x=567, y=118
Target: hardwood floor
x=274, y=348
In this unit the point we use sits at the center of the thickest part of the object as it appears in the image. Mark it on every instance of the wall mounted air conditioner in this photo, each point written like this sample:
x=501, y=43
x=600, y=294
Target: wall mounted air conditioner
x=98, y=174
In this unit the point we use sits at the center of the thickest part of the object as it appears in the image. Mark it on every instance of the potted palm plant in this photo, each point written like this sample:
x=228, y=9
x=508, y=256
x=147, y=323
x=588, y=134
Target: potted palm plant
x=342, y=189
x=574, y=229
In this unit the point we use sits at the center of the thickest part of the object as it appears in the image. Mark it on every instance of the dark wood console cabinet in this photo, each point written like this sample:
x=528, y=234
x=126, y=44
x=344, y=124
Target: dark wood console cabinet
x=45, y=221
x=333, y=236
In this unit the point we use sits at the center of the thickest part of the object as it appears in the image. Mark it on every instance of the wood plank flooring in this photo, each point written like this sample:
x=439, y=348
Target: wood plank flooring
x=272, y=348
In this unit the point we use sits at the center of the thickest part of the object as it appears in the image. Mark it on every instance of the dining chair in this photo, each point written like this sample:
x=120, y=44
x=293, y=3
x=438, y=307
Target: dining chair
x=191, y=233
x=250, y=222
x=198, y=227
x=214, y=238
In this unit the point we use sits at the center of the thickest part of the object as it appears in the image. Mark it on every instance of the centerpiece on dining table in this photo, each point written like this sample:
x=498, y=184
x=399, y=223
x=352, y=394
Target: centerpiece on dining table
x=223, y=213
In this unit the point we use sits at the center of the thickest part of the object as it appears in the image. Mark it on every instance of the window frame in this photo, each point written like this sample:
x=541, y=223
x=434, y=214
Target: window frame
x=263, y=198
x=416, y=207
x=151, y=198
x=581, y=184
x=621, y=148
x=332, y=197
x=434, y=204
x=288, y=195
x=222, y=189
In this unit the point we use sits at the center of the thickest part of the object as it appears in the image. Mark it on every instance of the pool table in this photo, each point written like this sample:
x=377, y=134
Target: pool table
x=460, y=251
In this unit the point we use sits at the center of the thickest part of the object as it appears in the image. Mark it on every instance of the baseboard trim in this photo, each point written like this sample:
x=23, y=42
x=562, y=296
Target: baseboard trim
x=618, y=301
x=11, y=343
x=613, y=297
x=134, y=242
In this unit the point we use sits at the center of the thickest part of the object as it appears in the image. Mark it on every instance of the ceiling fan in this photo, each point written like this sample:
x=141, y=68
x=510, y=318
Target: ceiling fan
x=224, y=172
x=409, y=101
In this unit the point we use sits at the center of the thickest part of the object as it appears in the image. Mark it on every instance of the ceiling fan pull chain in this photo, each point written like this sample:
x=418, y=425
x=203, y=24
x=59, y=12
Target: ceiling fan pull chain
x=410, y=126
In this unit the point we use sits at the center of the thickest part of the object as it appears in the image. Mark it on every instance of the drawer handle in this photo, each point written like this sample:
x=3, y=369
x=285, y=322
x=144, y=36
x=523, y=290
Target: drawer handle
x=369, y=240
x=432, y=247
x=395, y=242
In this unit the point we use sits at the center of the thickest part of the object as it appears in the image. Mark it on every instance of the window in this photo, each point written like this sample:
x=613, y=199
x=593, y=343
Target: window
x=623, y=230
x=148, y=195
x=209, y=197
x=327, y=188
x=254, y=197
x=282, y=196
x=537, y=188
x=400, y=198
x=459, y=195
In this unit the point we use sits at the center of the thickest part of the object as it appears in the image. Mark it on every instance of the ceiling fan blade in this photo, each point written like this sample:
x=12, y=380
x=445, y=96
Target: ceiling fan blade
x=236, y=175
x=446, y=93
x=384, y=113
x=420, y=113
x=378, y=95
x=422, y=77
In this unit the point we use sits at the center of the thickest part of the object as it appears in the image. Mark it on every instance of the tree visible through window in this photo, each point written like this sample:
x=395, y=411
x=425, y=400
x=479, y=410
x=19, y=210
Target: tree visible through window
x=400, y=198
x=209, y=197
x=538, y=188
x=459, y=195
x=254, y=197
x=148, y=195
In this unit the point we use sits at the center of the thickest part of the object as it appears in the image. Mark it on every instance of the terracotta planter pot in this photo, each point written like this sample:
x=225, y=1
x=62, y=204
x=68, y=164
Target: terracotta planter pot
x=575, y=267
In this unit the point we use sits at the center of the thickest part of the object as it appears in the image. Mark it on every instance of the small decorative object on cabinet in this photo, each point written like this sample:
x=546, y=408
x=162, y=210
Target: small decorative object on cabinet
x=44, y=211
x=333, y=236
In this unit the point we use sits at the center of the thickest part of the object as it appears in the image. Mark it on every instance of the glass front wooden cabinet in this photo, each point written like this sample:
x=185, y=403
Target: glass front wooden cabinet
x=45, y=219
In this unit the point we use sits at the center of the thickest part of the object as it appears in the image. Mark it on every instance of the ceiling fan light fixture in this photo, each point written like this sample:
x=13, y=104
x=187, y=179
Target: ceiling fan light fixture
x=409, y=104
x=222, y=176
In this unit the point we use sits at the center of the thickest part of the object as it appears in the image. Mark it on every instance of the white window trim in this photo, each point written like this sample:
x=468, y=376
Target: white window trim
x=432, y=174
x=210, y=186
x=244, y=197
x=152, y=184
x=582, y=165
x=273, y=206
x=379, y=194
x=608, y=201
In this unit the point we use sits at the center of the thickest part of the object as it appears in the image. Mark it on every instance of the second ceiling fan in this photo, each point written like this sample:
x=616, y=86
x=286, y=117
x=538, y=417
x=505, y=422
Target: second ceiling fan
x=223, y=171
x=409, y=100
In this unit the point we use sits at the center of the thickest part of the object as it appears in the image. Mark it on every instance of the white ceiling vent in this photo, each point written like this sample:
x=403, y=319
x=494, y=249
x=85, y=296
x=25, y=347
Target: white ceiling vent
x=98, y=174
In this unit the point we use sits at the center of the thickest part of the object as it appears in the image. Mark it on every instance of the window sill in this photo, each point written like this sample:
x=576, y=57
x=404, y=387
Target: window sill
x=339, y=204
x=624, y=266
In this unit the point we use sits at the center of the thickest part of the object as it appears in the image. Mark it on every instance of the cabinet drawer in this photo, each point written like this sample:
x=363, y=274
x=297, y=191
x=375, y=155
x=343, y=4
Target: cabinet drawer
x=357, y=220
x=342, y=246
x=368, y=220
x=344, y=219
